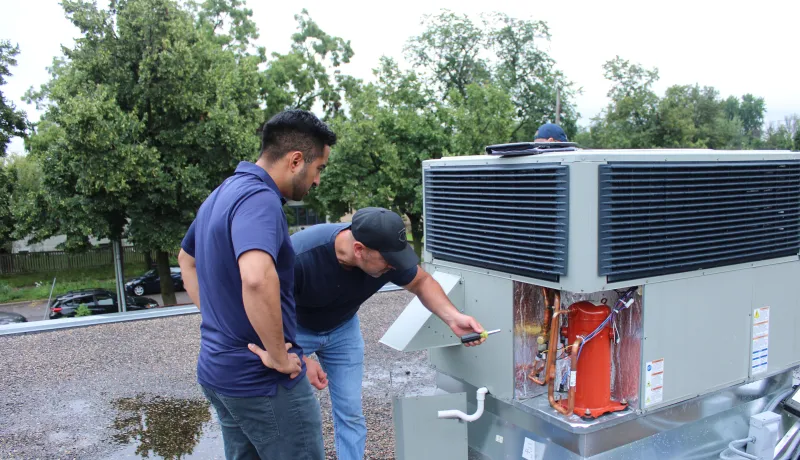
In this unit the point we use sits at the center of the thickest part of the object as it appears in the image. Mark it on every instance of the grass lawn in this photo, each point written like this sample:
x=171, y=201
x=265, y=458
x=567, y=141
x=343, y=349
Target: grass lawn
x=17, y=288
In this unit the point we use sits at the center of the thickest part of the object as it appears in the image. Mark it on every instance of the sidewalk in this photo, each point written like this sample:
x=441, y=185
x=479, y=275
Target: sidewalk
x=32, y=310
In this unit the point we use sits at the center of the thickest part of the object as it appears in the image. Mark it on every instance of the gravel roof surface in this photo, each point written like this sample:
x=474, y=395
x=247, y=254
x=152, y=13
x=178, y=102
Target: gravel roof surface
x=127, y=390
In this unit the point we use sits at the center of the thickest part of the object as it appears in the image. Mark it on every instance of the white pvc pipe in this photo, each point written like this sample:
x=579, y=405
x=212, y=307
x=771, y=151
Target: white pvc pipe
x=481, y=396
x=787, y=438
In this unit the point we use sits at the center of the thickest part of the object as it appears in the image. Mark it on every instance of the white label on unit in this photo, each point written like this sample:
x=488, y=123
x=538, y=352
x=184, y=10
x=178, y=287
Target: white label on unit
x=529, y=449
x=499, y=439
x=654, y=382
x=573, y=378
x=759, y=359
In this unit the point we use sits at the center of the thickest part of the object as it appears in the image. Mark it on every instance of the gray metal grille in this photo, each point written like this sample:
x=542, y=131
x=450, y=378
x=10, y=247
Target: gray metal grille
x=511, y=218
x=662, y=218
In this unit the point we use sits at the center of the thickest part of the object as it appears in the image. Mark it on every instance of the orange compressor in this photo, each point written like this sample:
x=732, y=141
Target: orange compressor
x=593, y=379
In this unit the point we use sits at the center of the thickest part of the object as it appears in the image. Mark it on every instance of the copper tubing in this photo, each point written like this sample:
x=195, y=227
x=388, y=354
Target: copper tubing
x=534, y=373
x=573, y=368
x=548, y=311
x=552, y=347
x=551, y=374
x=553, y=340
x=551, y=361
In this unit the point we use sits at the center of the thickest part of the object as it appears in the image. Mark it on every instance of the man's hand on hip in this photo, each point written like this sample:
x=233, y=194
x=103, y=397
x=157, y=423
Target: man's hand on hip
x=290, y=364
x=315, y=374
x=464, y=324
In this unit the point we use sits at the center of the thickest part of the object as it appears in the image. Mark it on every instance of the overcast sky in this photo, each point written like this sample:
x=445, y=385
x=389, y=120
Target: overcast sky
x=737, y=47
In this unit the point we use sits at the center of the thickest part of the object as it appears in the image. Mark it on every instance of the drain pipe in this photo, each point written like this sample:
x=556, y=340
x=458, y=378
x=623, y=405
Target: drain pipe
x=481, y=396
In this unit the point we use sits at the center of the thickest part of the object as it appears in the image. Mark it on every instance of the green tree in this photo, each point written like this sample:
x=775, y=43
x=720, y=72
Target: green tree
x=584, y=137
x=450, y=49
x=485, y=115
x=687, y=116
x=393, y=126
x=797, y=140
x=149, y=111
x=731, y=107
x=630, y=119
x=730, y=134
x=782, y=135
x=12, y=121
x=777, y=137
x=20, y=185
x=7, y=180
x=676, y=117
x=228, y=22
x=308, y=73
x=529, y=75
x=691, y=116
x=27, y=172
x=454, y=52
x=751, y=112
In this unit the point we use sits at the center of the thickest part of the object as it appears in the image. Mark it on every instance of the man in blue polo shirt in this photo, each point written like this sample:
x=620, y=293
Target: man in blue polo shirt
x=237, y=263
x=338, y=267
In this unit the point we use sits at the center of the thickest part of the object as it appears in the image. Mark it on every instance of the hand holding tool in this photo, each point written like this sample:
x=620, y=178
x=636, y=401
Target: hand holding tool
x=472, y=337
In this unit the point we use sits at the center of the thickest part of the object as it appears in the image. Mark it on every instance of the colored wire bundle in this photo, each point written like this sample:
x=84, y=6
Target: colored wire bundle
x=623, y=303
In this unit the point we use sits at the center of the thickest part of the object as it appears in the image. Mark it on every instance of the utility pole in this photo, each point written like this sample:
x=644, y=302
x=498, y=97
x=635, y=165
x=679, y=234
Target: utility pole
x=117, y=250
x=558, y=105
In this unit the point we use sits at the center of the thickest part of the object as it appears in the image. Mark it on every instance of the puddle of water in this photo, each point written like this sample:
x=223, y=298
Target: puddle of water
x=210, y=447
x=157, y=427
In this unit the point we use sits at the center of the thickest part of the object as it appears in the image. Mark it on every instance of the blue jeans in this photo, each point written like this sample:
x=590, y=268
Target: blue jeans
x=341, y=354
x=285, y=426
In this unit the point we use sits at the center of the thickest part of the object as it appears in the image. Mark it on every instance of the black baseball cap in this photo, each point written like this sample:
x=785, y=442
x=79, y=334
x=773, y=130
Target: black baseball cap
x=384, y=231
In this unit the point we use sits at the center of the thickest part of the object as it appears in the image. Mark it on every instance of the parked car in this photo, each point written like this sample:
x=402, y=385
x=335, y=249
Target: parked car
x=150, y=282
x=8, y=317
x=99, y=301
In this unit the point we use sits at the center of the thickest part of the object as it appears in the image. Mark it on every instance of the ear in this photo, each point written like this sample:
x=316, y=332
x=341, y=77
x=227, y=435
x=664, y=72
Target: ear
x=359, y=249
x=295, y=159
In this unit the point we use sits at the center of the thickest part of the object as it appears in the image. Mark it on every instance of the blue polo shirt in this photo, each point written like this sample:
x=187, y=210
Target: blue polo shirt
x=244, y=213
x=327, y=293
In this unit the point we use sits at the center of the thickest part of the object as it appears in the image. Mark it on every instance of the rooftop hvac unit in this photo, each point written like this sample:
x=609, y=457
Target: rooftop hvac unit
x=646, y=299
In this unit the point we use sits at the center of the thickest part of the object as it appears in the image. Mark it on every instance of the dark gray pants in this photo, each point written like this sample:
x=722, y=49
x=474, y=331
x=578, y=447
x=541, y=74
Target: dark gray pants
x=285, y=426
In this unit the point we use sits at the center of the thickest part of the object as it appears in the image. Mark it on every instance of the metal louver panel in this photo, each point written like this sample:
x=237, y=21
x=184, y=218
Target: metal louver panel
x=662, y=218
x=511, y=218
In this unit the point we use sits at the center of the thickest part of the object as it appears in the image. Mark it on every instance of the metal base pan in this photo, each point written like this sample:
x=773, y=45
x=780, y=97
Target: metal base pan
x=696, y=429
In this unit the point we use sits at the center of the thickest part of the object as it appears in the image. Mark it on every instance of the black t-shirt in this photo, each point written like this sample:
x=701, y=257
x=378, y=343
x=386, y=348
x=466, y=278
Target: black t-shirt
x=327, y=294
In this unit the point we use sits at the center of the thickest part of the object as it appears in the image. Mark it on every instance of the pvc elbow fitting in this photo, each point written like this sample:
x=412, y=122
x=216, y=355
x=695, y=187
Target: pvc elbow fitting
x=480, y=397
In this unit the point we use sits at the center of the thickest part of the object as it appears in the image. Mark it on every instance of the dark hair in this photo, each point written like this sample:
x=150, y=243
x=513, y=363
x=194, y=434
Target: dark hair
x=293, y=130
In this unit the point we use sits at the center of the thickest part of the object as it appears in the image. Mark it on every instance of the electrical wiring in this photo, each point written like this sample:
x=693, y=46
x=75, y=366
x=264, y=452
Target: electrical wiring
x=624, y=301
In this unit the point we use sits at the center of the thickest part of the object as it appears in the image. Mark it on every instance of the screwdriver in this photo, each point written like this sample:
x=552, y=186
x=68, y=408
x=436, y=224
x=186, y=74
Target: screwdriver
x=473, y=336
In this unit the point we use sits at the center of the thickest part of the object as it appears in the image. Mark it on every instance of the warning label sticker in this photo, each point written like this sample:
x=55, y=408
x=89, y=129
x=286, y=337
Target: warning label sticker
x=759, y=359
x=654, y=382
